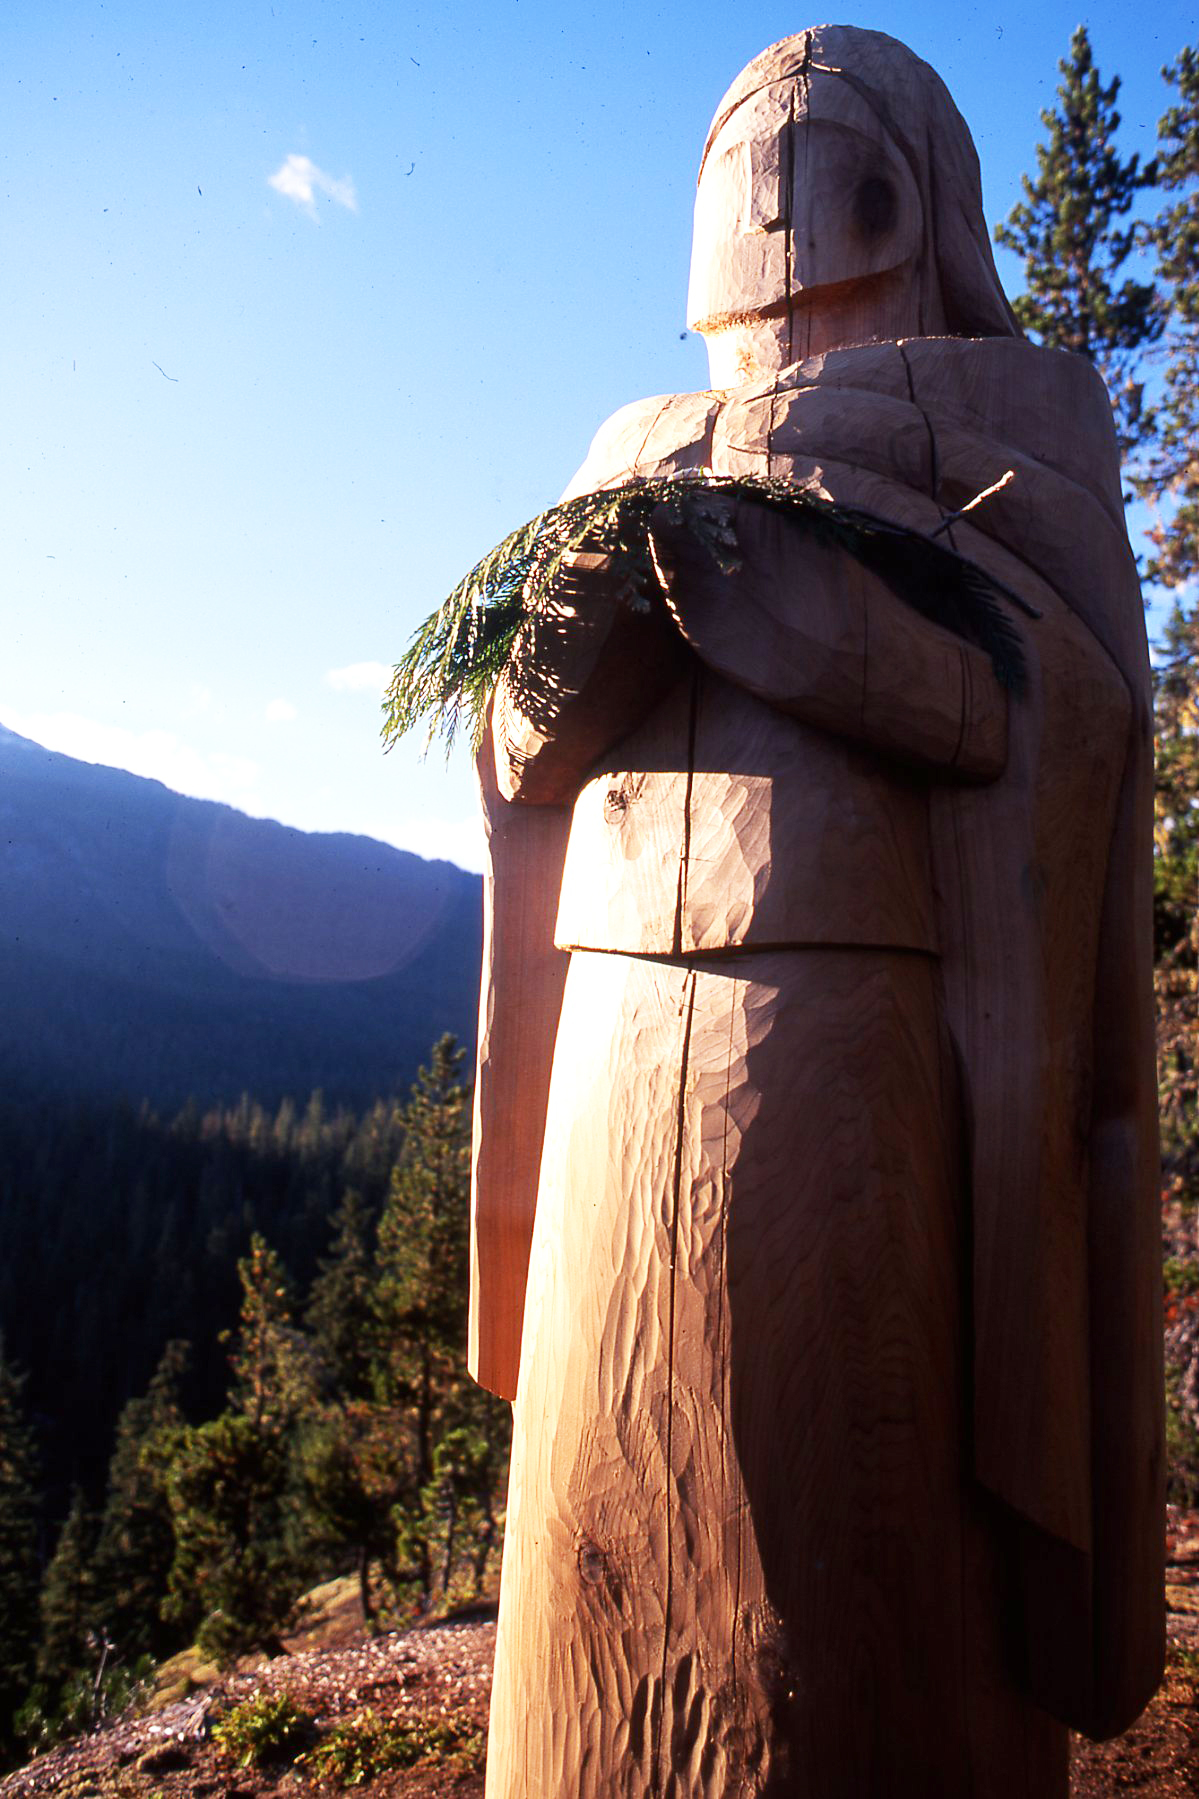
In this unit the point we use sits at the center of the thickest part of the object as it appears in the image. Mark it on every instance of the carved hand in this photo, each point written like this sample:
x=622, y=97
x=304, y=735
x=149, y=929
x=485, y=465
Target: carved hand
x=585, y=670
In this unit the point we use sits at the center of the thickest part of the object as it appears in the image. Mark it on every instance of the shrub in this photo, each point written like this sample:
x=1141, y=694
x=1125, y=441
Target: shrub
x=1182, y=1445
x=366, y=1746
x=84, y=1703
x=268, y=1728
x=1180, y=1276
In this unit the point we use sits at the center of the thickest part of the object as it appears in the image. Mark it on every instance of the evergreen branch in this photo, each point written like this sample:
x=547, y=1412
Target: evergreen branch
x=456, y=657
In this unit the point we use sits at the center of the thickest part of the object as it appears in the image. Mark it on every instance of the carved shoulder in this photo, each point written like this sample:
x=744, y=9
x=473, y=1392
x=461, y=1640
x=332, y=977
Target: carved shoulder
x=648, y=437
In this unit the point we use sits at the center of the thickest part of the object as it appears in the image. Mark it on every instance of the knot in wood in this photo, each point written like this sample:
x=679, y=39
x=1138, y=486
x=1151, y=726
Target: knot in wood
x=596, y=1570
x=593, y=1564
x=616, y=803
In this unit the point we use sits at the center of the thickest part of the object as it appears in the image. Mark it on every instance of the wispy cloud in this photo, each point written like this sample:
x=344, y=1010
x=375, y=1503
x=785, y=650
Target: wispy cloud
x=158, y=755
x=280, y=712
x=298, y=178
x=359, y=677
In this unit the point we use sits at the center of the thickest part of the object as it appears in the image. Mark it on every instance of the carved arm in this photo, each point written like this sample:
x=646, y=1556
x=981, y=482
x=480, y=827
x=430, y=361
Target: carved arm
x=802, y=625
x=808, y=629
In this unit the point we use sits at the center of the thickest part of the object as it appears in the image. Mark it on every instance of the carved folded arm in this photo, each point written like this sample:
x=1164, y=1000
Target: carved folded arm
x=808, y=629
x=585, y=670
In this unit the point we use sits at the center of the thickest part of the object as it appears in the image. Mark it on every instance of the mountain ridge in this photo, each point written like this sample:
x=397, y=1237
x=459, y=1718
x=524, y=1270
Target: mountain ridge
x=158, y=947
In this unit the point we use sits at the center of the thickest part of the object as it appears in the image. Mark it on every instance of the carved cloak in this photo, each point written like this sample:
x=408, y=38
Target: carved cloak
x=1051, y=1015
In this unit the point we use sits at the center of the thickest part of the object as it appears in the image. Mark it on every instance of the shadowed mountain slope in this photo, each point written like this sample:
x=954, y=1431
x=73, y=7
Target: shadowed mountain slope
x=158, y=947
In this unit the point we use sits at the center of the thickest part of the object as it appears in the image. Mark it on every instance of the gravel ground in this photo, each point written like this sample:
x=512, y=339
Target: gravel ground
x=443, y=1672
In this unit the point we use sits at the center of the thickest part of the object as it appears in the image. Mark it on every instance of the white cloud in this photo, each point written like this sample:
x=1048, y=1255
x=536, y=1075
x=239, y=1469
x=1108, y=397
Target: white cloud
x=359, y=677
x=280, y=712
x=199, y=701
x=157, y=755
x=298, y=178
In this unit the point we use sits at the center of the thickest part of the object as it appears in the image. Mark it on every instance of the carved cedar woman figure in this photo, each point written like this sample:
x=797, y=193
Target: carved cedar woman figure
x=816, y=1033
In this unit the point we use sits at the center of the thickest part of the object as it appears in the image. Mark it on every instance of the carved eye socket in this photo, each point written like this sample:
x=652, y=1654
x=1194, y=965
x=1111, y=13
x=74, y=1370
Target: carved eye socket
x=874, y=206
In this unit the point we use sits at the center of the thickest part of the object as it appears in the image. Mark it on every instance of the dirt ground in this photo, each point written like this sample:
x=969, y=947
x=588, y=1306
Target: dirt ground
x=442, y=1673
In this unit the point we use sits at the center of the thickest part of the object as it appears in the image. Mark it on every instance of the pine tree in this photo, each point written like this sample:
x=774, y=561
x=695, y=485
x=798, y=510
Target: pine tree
x=67, y=1605
x=136, y=1544
x=355, y=1460
x=1176, y=984
x=459, y=1434
x=234, y=1575
x=358, y=1470
x=461, y=1502
x=1074, y=248
x=1176, y=897
x=1169, y=479
x=241, y=1539
x=273, y=1366
x=1171, y=475
x=340, y=1311
x=403, y=1464
x=19, y=1562
x=423, y=1248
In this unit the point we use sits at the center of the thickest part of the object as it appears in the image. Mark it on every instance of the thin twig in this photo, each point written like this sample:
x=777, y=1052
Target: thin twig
x=971, y=504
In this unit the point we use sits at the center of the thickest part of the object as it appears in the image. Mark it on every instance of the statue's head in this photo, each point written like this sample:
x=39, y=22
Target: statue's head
x=839, y=201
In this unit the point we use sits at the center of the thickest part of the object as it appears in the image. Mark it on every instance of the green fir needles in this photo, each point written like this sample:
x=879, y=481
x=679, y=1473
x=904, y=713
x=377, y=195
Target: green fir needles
x=448, y=671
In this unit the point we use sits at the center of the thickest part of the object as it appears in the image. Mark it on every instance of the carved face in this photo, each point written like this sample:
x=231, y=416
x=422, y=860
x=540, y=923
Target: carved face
x=802, y=190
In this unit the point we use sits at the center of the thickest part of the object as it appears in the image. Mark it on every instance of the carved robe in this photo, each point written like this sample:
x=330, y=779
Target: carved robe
x=847, y=1217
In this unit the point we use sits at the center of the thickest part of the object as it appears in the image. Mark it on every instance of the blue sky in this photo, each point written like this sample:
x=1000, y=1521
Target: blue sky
x=308, y=304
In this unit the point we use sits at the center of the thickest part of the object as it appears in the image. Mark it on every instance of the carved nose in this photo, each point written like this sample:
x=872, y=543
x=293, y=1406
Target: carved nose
x=768, y=207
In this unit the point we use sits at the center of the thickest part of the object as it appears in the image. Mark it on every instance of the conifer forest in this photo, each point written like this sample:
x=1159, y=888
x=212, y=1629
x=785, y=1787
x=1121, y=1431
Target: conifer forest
x=234, y=1364
x=232, y=1361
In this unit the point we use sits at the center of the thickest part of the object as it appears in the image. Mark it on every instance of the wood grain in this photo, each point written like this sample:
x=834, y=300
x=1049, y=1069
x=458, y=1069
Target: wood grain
x=807, y=628
x=743, y=1552
x=721, y=823
x=838, y=1440
x=519, y=1000
x=879, y=234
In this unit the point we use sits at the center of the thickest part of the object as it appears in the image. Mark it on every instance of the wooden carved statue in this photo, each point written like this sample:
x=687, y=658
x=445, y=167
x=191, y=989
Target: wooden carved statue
x=815, y=1228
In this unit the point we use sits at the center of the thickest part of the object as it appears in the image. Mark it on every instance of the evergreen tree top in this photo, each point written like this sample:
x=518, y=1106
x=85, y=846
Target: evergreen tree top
x=1175, y=233
x=1065, y=226
x=1169, y=476
x=1068, y=233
